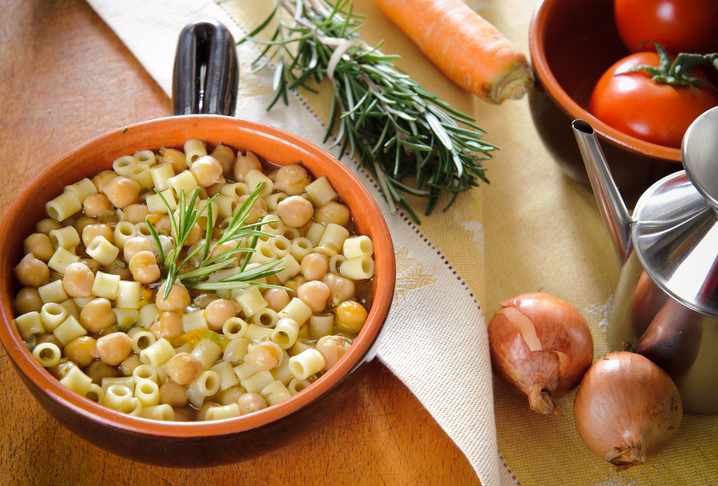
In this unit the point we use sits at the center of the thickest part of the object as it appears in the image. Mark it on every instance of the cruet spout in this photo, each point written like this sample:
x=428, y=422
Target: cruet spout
x=610, y=203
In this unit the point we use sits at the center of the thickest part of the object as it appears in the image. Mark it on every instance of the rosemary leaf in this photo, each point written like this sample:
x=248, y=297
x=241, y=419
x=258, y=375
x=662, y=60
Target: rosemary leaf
x=397, y=127
x=184, y=219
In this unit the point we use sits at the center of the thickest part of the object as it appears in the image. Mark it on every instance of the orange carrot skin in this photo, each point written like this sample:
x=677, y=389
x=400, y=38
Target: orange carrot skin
x=464, y=46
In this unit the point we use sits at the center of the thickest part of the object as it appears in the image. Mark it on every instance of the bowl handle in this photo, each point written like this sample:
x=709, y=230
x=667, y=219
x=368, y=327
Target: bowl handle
x=206, y=77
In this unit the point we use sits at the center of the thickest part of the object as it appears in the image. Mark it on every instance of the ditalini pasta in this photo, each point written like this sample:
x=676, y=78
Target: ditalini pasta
x=92, y=307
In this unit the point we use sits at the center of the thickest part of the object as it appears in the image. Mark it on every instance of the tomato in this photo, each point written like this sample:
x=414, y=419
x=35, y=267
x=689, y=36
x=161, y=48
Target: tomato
x=677, y=25
x=638, y=106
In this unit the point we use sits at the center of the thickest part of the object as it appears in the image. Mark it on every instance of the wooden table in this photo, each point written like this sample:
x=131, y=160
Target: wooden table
x=66, y=78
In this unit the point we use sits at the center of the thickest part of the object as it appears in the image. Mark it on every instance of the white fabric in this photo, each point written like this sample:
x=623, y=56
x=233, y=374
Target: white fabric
x=422, y=344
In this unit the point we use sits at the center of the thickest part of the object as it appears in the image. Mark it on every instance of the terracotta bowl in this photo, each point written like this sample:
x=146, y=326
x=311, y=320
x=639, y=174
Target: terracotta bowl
x=194, y=444
x=572, y=43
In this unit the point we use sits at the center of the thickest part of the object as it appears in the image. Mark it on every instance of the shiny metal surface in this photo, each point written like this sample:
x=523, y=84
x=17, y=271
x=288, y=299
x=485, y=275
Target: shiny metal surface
x=665, y=306
x=700, y=154
x=675, y=236
x=647, y=320
x=613, y=210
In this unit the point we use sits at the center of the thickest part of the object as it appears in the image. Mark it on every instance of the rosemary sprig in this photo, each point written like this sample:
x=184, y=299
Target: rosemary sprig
x=182, y=224
x=397, y=128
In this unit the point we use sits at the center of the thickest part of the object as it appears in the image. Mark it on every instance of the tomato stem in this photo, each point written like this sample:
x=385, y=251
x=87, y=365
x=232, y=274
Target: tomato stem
x=677, y=72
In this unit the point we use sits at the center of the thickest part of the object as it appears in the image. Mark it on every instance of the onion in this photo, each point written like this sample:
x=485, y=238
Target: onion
x=627, y=409
x=541, y=347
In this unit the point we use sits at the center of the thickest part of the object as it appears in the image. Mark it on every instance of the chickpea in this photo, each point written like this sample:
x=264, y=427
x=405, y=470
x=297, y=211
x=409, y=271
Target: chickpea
x=120, y=270
x=314, y=266
x=47, y=337
x=27, y=300
x=101, y=179
x=122, y=191
x=177, y=299
x=39, y=245
x=277, y=299
x=46, y=225
x=96, y=204
x=129, y=364
x=81, y=350
x=315, y=294
x=175, y=157
x=144, y=268
x=340, y=288
x=184, y=368
x=173, y=394
x=31, y=272
x=207, y=171
x=97, y=229
x=83, y=222
x=168, y=326
x=114, y=348
x=194, y=235
x=225, y=156
x=251, y=402
x=135, y=213
x=97, y=315
x=294, y=283
x=93, y=265
x=332, y=348
x=258, y=210
x=135, y=245
x=78, y=280
x=202, y=412
x=226, y=246
x=244, y=164
x=291, y=179
x=218, y=311
x=97, y=370
x=295, y=211
x=332, y=212
x=161, y=222
x=350, y=316
x=264, y=355
x=231, y=395
x=214, y=189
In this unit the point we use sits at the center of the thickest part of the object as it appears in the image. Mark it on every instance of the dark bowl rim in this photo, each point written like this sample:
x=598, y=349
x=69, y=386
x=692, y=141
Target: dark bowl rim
x=362, y=349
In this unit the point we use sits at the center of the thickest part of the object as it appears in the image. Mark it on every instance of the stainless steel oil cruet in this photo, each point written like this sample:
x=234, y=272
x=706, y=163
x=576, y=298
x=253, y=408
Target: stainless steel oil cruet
x=665, y=305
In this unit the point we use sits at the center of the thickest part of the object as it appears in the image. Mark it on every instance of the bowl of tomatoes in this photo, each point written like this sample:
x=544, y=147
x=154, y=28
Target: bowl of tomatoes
x=580, y=53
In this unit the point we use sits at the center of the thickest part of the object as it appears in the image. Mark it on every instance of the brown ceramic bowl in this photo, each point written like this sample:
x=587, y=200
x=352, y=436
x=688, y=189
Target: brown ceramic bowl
x=194, y=444
x=572, y=44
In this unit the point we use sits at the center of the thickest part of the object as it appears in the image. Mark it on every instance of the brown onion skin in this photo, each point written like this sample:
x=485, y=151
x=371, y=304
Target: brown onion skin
x=627, y=409
x=560, y=328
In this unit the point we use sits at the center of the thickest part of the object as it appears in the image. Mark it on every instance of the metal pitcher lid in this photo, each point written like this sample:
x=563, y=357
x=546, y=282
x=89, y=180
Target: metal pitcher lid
x=675, y=223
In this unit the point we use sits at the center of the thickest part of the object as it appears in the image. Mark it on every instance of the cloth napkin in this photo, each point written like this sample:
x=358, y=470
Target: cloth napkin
x=436, y=328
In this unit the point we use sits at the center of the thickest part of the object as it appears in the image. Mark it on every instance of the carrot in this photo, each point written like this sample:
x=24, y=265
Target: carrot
x=464, y=46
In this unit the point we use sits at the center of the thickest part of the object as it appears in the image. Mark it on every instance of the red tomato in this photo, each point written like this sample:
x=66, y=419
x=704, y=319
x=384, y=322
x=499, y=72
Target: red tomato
x=638, y=106
x=677, y=25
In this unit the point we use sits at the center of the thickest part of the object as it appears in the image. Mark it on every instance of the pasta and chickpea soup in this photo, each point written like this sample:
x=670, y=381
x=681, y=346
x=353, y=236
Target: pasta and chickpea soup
x=193, y=284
